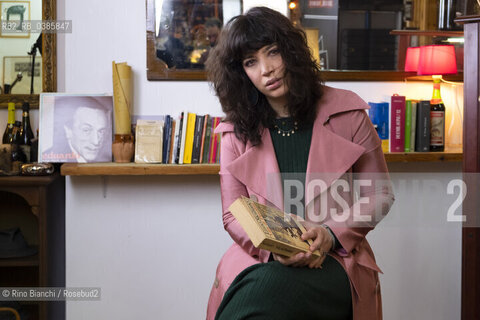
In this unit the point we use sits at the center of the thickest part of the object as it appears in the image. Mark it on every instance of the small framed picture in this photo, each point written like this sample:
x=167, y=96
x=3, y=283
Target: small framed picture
x=14, y=17
x=13, y=66
x=75, y=128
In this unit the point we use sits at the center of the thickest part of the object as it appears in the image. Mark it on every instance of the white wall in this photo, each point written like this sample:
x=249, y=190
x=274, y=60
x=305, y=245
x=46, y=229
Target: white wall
x=152, y=243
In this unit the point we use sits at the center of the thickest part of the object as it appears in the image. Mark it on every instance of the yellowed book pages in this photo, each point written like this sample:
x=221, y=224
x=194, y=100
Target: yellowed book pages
x=122, y=97
x=269, y=228
x=148, y=141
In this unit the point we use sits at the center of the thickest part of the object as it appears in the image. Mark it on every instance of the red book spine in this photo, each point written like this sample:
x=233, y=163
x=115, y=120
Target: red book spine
x=212, y=140
x=207, y=117
x=397, y=128
x=213, y=155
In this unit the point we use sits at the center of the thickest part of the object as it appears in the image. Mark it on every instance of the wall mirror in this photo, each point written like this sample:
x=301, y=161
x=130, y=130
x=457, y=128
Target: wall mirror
x=351, y=39
x=15, y=58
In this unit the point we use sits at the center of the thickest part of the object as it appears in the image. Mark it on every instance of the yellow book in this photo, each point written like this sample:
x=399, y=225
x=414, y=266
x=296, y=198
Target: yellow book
x=385, y=146
x=187, y=156
x=269, y=228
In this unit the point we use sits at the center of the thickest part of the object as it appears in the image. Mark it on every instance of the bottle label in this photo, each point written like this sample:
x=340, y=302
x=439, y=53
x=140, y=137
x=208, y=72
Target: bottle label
x=437, y=128
x=25, y=114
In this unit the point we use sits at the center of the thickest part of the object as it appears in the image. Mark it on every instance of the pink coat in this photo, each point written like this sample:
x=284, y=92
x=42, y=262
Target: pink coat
x=343, y=141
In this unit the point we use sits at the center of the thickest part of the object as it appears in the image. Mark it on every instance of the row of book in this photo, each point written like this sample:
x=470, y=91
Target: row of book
x=403, y=125
x=188, y=138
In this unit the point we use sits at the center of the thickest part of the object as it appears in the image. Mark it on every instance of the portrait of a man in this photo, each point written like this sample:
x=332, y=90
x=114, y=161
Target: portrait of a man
x=75, y=128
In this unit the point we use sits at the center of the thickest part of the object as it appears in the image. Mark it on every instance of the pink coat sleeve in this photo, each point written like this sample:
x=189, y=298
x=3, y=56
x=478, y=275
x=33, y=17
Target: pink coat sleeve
x=376, y=191
x=231, y=189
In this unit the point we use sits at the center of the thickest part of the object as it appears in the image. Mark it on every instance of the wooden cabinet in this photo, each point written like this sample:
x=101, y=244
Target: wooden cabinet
x=37, y=206
x=471, y=168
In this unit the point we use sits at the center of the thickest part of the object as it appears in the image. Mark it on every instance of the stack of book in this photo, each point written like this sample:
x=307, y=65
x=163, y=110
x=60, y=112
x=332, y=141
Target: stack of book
x=403, y=125
x=187, y=139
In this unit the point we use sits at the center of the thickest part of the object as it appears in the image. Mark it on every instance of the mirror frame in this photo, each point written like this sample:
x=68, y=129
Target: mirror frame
x=49, y=63
x=158, y=70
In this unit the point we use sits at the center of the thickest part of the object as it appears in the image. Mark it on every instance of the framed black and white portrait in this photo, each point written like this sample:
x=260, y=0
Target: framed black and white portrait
x=75, y=128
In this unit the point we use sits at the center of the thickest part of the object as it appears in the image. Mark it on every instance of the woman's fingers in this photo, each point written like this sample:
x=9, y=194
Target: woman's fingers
x=294, y=260
x=302, y=259
x=310, y=234
x=316, y=235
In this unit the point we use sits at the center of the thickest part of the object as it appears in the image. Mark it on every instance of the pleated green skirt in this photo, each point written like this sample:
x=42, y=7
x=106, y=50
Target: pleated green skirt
x=274, y=291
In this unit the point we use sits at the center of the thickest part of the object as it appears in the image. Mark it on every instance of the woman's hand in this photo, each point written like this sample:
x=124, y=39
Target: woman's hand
x=322, y=241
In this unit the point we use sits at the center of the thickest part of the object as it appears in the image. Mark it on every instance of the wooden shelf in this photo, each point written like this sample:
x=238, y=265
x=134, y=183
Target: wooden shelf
x=430, y=33
x=27, y=180
x=30, y=261
x=136, y=169
x=453, y=155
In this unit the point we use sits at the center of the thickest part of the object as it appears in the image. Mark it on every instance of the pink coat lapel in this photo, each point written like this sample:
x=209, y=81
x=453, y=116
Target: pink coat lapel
x=258, y=169
x=331, y=155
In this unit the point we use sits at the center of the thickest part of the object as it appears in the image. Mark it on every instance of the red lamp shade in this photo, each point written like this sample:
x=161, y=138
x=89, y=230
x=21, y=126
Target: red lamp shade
x=411, y=59
x=437, y=60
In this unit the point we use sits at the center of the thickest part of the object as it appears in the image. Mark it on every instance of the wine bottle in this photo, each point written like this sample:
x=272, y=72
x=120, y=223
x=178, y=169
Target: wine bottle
x=26, y=133
x=437, y=119
x=8, y=134
x=17, y=153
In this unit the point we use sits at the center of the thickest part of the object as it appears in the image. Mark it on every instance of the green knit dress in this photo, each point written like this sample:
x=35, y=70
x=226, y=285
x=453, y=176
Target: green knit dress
x=274, y=291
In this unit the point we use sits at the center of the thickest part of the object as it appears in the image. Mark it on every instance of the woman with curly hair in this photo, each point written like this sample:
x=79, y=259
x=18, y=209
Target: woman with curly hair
x=284, y=128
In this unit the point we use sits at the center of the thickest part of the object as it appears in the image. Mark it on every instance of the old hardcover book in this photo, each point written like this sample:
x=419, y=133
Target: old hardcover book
x=397, y=127
x=190, y=131
x=197, y=138
x=269, y=228
x=408, y=124
x=379, y=116
x=422, y=137
x=148, y=141
x=413, y=127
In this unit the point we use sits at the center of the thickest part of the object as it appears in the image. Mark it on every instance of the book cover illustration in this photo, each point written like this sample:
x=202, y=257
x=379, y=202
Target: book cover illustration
x=269, y=228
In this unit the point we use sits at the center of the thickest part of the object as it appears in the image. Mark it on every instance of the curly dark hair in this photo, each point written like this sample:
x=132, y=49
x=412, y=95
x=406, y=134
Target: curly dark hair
x=244, y=106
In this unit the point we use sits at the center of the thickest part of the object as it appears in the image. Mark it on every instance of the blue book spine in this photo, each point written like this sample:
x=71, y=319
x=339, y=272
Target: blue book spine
x=379, y=116
x=166, y=138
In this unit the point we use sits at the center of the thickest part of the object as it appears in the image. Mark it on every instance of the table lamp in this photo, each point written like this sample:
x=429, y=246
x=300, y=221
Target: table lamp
x=434, y=60
x=411, y=59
